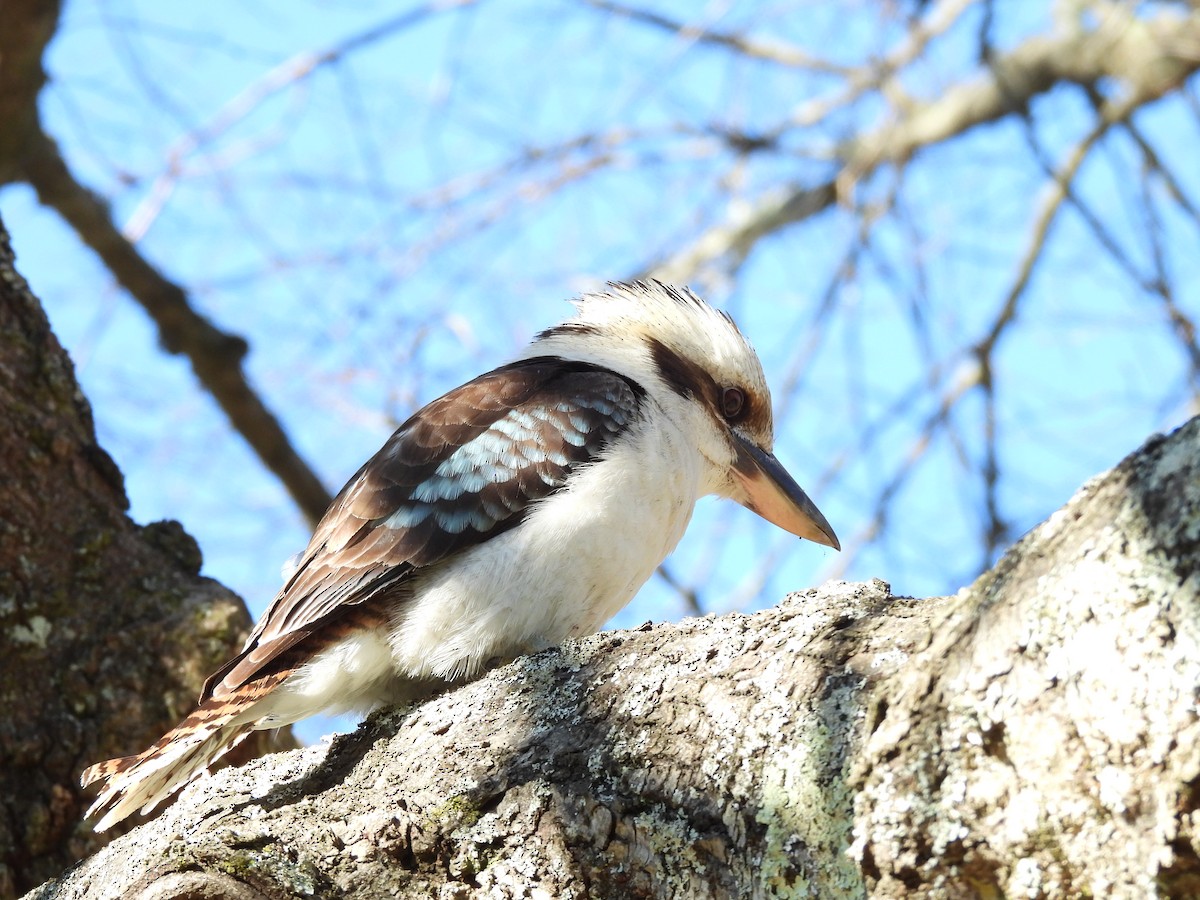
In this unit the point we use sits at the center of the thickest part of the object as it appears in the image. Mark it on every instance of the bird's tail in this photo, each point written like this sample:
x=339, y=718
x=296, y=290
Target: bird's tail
x=145, y=780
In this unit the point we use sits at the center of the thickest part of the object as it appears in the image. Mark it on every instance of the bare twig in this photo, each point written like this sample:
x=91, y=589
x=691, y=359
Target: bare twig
x=290, y=72
x=1117, y=50
x=770, y=51
x=691, y=599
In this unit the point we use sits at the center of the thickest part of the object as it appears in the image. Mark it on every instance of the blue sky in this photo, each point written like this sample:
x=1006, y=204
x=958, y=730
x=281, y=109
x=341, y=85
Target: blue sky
x=381, y=231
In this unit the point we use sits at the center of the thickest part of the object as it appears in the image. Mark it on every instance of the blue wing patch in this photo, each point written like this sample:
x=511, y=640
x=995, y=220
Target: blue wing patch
x=543, y=438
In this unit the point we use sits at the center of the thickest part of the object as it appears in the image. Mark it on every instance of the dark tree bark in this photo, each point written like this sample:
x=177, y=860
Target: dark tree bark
x=1035, y=735
x=107, y=628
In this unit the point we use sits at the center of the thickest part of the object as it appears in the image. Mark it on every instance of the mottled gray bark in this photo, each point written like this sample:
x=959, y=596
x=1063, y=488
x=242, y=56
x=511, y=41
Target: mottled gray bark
x=1034, y=735
x=107, y=629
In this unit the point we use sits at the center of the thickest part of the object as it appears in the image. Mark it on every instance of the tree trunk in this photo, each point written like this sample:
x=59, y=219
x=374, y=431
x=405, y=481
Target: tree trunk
x=107, y=628
x=1035, y=735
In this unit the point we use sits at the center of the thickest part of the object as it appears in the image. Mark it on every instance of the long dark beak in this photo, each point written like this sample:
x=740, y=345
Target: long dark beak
x=768, y=489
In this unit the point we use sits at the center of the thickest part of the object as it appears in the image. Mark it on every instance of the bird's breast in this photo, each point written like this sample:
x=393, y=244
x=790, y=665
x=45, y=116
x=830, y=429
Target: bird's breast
x=577, y=558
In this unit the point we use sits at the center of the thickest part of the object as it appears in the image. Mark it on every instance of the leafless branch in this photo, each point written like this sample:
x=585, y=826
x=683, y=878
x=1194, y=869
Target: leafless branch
x=1117, y=50
x=769, y=51
x=216, y=356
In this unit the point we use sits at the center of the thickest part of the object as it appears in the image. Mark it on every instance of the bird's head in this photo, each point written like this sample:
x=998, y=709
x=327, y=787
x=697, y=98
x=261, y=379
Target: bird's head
x=699, y=369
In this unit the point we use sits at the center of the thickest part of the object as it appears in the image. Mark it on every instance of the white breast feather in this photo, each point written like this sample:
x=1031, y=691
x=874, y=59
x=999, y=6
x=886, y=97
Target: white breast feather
x=578, y=558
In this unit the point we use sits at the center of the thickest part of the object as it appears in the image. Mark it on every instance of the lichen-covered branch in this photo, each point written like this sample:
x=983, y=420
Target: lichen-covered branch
x=1034, y=735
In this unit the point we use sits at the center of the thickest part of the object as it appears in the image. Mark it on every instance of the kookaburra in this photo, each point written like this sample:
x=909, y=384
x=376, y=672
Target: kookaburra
x=521, y=509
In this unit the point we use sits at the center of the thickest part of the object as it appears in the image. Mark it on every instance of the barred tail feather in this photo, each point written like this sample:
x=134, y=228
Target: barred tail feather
x=143, y=781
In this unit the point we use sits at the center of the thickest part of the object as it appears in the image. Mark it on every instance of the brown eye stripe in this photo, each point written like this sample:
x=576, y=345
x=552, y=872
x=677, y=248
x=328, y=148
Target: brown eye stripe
x=690, y=380
x=685, y=377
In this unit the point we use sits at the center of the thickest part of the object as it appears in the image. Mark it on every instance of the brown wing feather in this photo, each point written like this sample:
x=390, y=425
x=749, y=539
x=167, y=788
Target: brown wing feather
x=356, y=556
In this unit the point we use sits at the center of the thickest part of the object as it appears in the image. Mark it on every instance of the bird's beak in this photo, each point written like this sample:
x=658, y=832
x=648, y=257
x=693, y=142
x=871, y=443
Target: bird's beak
x=766, y=488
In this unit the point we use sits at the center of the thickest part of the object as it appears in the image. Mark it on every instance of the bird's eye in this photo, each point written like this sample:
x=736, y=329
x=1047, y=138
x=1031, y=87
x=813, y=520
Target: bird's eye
x=733, y=401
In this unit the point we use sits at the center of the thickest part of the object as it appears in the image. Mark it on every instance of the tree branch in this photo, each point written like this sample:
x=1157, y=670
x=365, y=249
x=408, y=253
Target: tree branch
x=28, y=154
x=1146, y=57
x=774, y=51
x=1013, y=740
x=108, y=629
x=216, y=356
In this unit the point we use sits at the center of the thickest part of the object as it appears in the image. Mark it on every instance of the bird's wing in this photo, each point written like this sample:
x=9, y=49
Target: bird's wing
x=461, y=470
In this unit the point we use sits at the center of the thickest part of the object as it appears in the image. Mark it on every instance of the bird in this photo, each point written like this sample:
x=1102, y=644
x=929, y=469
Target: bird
x=519, y=510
